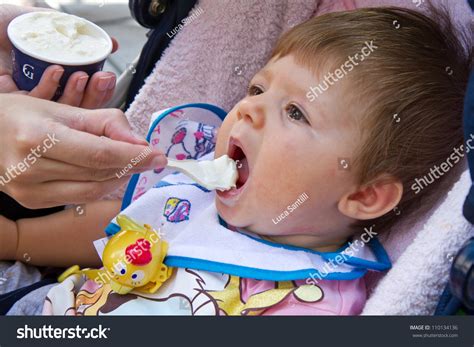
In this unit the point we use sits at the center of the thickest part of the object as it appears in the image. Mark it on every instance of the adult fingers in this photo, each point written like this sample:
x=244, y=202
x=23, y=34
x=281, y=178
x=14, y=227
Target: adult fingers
x=115, y=45
x=99, y=85
x=7, y=85
x=48, y=83
x=52, y=170
x=87, y=150
x=108, y=96
x=74, y=91
x=110, y=122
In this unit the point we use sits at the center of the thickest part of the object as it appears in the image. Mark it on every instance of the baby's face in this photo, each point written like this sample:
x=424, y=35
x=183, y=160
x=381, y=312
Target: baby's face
x=287, y=146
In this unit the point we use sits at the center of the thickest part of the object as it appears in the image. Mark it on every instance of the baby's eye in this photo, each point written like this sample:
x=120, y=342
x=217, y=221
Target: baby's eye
x=254, y=90
x=295, y=114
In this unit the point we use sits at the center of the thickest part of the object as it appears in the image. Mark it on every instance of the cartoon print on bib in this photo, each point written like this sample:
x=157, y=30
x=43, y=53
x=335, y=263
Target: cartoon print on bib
x=184, y=132
x=177, y=210
x=178, y=148
x=206, y=137
x=191, y=140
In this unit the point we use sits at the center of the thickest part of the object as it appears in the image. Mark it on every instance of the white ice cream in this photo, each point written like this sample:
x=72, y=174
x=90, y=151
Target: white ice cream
x=220, y=173
x=59, y=38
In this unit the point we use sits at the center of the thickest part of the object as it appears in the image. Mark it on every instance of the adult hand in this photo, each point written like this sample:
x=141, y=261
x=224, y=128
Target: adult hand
x=53, y=154
x=79, y=90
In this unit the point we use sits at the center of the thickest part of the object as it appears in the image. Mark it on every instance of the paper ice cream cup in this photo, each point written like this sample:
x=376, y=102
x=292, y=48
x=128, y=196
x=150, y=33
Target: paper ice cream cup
x=45, y=38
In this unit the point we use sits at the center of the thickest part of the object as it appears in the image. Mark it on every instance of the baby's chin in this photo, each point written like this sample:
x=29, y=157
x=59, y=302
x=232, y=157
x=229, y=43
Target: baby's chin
x=235, y=217
x=225, y=212
x=232, y=215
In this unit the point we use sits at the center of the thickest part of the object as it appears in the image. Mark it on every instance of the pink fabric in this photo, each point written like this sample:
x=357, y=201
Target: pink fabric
x=340, y=298
x=194, y=70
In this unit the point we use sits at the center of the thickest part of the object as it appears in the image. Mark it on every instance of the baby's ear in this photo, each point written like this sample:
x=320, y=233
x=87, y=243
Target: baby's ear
x=372, y=200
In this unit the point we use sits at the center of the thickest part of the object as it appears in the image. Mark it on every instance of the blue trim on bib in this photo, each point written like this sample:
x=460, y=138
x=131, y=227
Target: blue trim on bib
x=112, y=229
x=383, y=261
x=127, y=199
x=258, y=274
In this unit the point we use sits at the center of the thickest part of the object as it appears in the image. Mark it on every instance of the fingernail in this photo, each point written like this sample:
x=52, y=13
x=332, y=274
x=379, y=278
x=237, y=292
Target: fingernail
x=111, y=83
x=81, y=84
x=159, y=162
x=103, y=84
x=57, y=75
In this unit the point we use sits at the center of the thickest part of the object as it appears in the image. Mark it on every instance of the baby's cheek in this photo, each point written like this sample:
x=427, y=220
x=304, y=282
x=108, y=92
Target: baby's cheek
x=223, y=134
x=275, y=190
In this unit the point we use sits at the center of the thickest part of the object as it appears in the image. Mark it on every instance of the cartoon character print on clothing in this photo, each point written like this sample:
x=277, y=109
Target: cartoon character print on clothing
x=206, y=137
x=193, y=299
x=178, y=149
x=200, y=137
x=190, y=140
x=177, y=210
x=238, y=299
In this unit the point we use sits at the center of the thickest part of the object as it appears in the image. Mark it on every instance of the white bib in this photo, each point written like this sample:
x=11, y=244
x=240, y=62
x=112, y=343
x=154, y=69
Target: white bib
x=187, y=218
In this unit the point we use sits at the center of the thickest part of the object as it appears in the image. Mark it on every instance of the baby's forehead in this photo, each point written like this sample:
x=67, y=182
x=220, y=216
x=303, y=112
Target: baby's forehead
x=288, y=71
x=296, y=79
x=305, y=70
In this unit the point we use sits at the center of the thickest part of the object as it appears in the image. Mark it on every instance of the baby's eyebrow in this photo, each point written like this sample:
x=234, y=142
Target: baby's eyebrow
x=266, y=73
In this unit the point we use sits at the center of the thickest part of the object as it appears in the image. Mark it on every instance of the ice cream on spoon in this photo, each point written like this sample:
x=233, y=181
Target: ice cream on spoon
x=220, y=173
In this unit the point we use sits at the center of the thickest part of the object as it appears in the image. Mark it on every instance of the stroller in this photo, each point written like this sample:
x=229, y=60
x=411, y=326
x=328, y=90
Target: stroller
x=456, y=274
x=162, y=16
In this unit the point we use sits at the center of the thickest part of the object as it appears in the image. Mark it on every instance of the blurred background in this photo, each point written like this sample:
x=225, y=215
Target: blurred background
x=111, y=15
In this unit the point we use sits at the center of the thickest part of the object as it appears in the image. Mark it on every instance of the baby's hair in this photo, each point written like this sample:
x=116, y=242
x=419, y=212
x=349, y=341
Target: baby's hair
x=406, y=97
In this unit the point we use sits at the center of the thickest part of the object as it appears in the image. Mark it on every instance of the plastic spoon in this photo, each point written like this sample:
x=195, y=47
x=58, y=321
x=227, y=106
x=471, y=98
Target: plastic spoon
x=220, y=173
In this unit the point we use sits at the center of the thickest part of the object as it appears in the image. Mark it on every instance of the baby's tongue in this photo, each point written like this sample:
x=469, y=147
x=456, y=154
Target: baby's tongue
x=243, y=170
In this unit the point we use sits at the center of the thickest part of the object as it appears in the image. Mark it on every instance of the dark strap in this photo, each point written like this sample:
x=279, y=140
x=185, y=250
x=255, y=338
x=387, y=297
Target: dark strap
x=448, y=304
x=468, y=208
x=459, y=293
x=11, y=209
x=158, y=39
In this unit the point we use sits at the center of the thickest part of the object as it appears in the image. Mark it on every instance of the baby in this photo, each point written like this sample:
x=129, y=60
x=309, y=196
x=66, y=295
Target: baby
x=351, y=108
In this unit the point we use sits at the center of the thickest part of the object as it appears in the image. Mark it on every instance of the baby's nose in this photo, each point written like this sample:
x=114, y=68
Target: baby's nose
x=252, y=111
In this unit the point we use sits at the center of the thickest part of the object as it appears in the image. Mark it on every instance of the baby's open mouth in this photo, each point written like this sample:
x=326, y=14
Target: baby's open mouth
x=237, y=153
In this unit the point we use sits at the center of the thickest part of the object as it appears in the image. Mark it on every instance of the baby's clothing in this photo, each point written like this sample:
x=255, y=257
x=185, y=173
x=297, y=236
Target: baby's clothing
x=217, y=269
x=221, y=271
